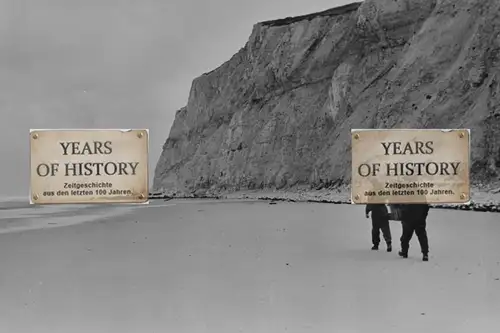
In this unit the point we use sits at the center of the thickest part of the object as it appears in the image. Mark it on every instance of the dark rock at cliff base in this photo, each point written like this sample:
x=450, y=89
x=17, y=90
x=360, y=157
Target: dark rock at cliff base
x=278, y=114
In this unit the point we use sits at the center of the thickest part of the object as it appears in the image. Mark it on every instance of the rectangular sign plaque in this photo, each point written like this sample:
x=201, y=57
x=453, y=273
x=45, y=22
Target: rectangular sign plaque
x=410, y=166
x=86, y=166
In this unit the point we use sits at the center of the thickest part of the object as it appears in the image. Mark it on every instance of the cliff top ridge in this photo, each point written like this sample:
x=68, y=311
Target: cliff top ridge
x=329, y=12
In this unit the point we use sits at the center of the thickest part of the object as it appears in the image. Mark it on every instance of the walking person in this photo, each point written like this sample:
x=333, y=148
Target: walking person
x=380, y=222
x=414, y=220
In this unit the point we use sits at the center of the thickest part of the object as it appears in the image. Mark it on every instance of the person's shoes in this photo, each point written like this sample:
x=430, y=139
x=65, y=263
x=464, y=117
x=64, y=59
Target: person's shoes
x=375, y=247
x=425, y=257
x=403, y=254
x=389, y=247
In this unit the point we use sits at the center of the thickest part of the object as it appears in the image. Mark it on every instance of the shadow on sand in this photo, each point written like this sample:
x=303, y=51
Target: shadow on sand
x=368, y=255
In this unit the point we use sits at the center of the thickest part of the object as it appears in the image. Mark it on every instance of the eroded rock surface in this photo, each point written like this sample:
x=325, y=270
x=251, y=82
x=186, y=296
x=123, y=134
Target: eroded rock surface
x=278, y=114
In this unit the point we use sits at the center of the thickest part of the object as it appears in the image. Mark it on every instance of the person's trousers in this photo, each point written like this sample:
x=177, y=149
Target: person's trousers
x=377, y=226
x=418, y=228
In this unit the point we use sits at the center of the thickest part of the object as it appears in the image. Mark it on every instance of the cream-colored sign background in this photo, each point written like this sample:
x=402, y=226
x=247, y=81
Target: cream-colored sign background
x=449, y=145
x=128, y=146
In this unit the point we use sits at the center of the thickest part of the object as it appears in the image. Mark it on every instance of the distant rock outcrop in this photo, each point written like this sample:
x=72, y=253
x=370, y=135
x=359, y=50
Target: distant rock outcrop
x=278, y=114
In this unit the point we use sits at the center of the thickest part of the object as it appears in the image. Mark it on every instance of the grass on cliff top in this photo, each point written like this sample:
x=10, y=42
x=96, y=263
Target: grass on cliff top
x=329, y=12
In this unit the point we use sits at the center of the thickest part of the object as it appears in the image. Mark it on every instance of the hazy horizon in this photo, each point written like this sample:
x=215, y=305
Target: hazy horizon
x=113, y=64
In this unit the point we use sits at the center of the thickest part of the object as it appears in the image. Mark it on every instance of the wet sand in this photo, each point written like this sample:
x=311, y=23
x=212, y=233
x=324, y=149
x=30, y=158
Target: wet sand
x=214, y=266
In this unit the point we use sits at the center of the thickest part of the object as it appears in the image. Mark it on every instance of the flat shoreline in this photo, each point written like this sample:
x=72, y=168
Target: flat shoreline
x=204, y=265
x=482, y=201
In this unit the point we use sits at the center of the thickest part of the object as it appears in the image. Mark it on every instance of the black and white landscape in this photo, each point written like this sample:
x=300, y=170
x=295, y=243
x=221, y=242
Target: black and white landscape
x=249, y=106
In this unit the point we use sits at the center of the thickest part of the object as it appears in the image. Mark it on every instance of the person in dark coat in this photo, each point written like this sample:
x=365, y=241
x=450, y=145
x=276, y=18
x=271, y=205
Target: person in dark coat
x=414, y=220
x=380, y=221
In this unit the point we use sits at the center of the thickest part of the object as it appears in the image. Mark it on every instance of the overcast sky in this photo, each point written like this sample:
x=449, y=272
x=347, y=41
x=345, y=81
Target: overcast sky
x=113, y=64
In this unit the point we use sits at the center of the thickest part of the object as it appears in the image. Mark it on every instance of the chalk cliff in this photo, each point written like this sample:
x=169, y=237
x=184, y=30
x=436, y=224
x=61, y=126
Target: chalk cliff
x=278, y=114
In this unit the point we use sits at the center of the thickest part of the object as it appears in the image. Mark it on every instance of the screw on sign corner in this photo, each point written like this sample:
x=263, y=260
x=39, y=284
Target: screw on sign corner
x=356, y=136
x=463, y=196
x=140, y=135
x=34, y=136
x=142, y=196
x=35, y=197
x=461, y=135
x=356, y=197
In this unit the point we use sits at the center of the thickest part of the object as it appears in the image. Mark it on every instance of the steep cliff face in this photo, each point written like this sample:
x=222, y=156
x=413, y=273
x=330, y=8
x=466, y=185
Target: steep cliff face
x=279, y=113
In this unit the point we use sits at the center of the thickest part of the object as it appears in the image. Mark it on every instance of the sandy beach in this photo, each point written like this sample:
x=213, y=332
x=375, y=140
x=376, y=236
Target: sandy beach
x=242, y=266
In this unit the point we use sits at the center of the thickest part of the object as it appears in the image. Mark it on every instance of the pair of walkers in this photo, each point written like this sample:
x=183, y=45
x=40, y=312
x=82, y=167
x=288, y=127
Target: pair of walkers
x=413, y=219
